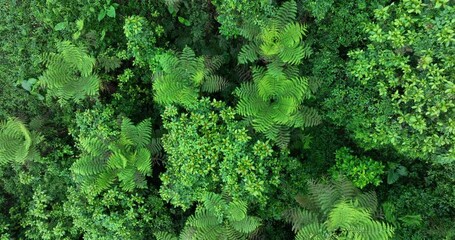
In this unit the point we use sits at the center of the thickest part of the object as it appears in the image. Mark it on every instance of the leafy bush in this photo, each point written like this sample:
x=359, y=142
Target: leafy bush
x=209, y=151
x=361, y=171
x=402, y=82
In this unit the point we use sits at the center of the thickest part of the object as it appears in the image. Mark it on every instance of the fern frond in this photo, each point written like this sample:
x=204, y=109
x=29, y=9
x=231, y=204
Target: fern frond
x=368, y=201
x=344, y=215
x=293, y=34
x=213, y=84
x=88, y=166
x=104, y=180
x=286, y=14
x=346, y=188
x=202, y=219
x=325, y=195
x=164, y=236
x=311, y=116
x=250, y=30
x=292, y=55
x=16, y=142
x=212, y=64
x=188, y=233
x=237, y=210
x=69, y=73
x=126, y=159
x=213, y=202
x=143, y=161
x=313, y=231
x=248, y=53
x=127, y=178
x=246, y=225
x=299, y=218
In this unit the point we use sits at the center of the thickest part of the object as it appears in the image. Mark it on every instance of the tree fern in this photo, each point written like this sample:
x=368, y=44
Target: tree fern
x=341, y=212
x=126, y=159
x=69, y=73
x=183, y=76
x=17, y=143
x=273, y=100
x=217, y=218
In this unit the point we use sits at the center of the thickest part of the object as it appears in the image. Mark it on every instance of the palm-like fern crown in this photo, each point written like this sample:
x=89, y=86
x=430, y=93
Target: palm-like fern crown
x=69, y=73
x=184, y=76
x=217, y=218
x=17, y=143
x=337, y=211
x=272, y=102
x=127, y=159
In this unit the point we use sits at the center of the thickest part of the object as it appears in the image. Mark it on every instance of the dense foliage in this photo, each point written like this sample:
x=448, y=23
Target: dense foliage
x=227, y=119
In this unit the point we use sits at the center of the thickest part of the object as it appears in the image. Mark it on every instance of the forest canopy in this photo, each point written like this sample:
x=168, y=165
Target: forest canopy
x=227, y=119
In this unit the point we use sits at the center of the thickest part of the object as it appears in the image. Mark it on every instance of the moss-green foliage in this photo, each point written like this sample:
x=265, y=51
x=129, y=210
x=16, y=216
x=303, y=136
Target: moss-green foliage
x=401, y=86
x=272, y=102
x=217, y=218
x=69, y=73
x=360, y=170
x=208, y=150
x=337, y=211
x=184, y=76
x=126, y=159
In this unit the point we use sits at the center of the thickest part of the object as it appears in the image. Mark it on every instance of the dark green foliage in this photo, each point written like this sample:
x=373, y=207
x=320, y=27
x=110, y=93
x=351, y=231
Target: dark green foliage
x=69, y=73
x=272, y=102
x=337, y=211
x=218, y=218
x=126, y=158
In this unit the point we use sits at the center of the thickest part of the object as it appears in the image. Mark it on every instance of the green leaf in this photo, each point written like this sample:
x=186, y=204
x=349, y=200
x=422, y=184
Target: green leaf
x=76, y=35
x=80, y=24
x=101, y=15
x=392, y=176
x=184, y=21
x=60, y=26
x=111, y=12
x=25, y=85
x=402, y=170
